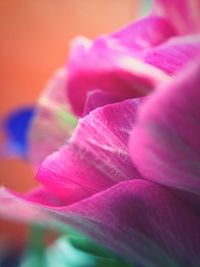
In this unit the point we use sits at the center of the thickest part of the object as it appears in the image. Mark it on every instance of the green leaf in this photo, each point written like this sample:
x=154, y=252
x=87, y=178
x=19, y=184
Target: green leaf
x=79, y=251
x=71, y=250
x=35, y=252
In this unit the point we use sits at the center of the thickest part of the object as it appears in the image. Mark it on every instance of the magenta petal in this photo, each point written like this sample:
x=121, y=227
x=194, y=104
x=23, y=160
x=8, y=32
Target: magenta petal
x=183, y=14
x=14, y=206
x=108, y=66
x=145, y=33
x=98, y=98
x=137, y=219
x=50, y=127
x=96, y=157
x=174, y=54
x=41, y=195
x=165, y=142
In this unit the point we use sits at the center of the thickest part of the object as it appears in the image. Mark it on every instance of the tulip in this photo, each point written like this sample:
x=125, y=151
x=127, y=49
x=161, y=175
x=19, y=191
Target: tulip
x=128, y=176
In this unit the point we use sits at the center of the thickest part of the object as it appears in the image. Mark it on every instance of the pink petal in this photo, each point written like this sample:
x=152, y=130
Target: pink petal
x=183, y=14
x=137, y=219
x=40, y=195
x=14, y=206
x=165, y=142
x=174, y=54
x=98, y=98
x=108, y=66
x=96, y=157
x=145, y=33
x=50, y=127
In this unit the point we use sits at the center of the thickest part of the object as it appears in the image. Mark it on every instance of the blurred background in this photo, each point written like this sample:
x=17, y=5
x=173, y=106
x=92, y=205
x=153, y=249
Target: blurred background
x=34, y=38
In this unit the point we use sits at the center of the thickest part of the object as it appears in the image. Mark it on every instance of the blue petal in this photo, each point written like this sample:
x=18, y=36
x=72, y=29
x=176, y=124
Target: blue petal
x=15, y=127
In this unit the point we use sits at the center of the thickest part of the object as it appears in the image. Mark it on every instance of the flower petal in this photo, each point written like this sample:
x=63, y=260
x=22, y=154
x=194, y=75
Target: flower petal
x=52, y=123
x=15, y=128
x=98, y=98
x=184, y=14
x=165, y=142
x=96, y=157
x=40, y=195
x=174, y=54
x=144, y=33
x=108, y=66
x=137, y=219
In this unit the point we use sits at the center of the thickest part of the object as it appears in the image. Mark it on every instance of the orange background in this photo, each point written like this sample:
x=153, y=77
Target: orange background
x=34, y=38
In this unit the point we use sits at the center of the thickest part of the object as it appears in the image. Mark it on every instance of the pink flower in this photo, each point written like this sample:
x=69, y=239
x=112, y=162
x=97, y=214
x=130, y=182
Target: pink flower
x=129, y=58
x=129, y=63
x=129, y=175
